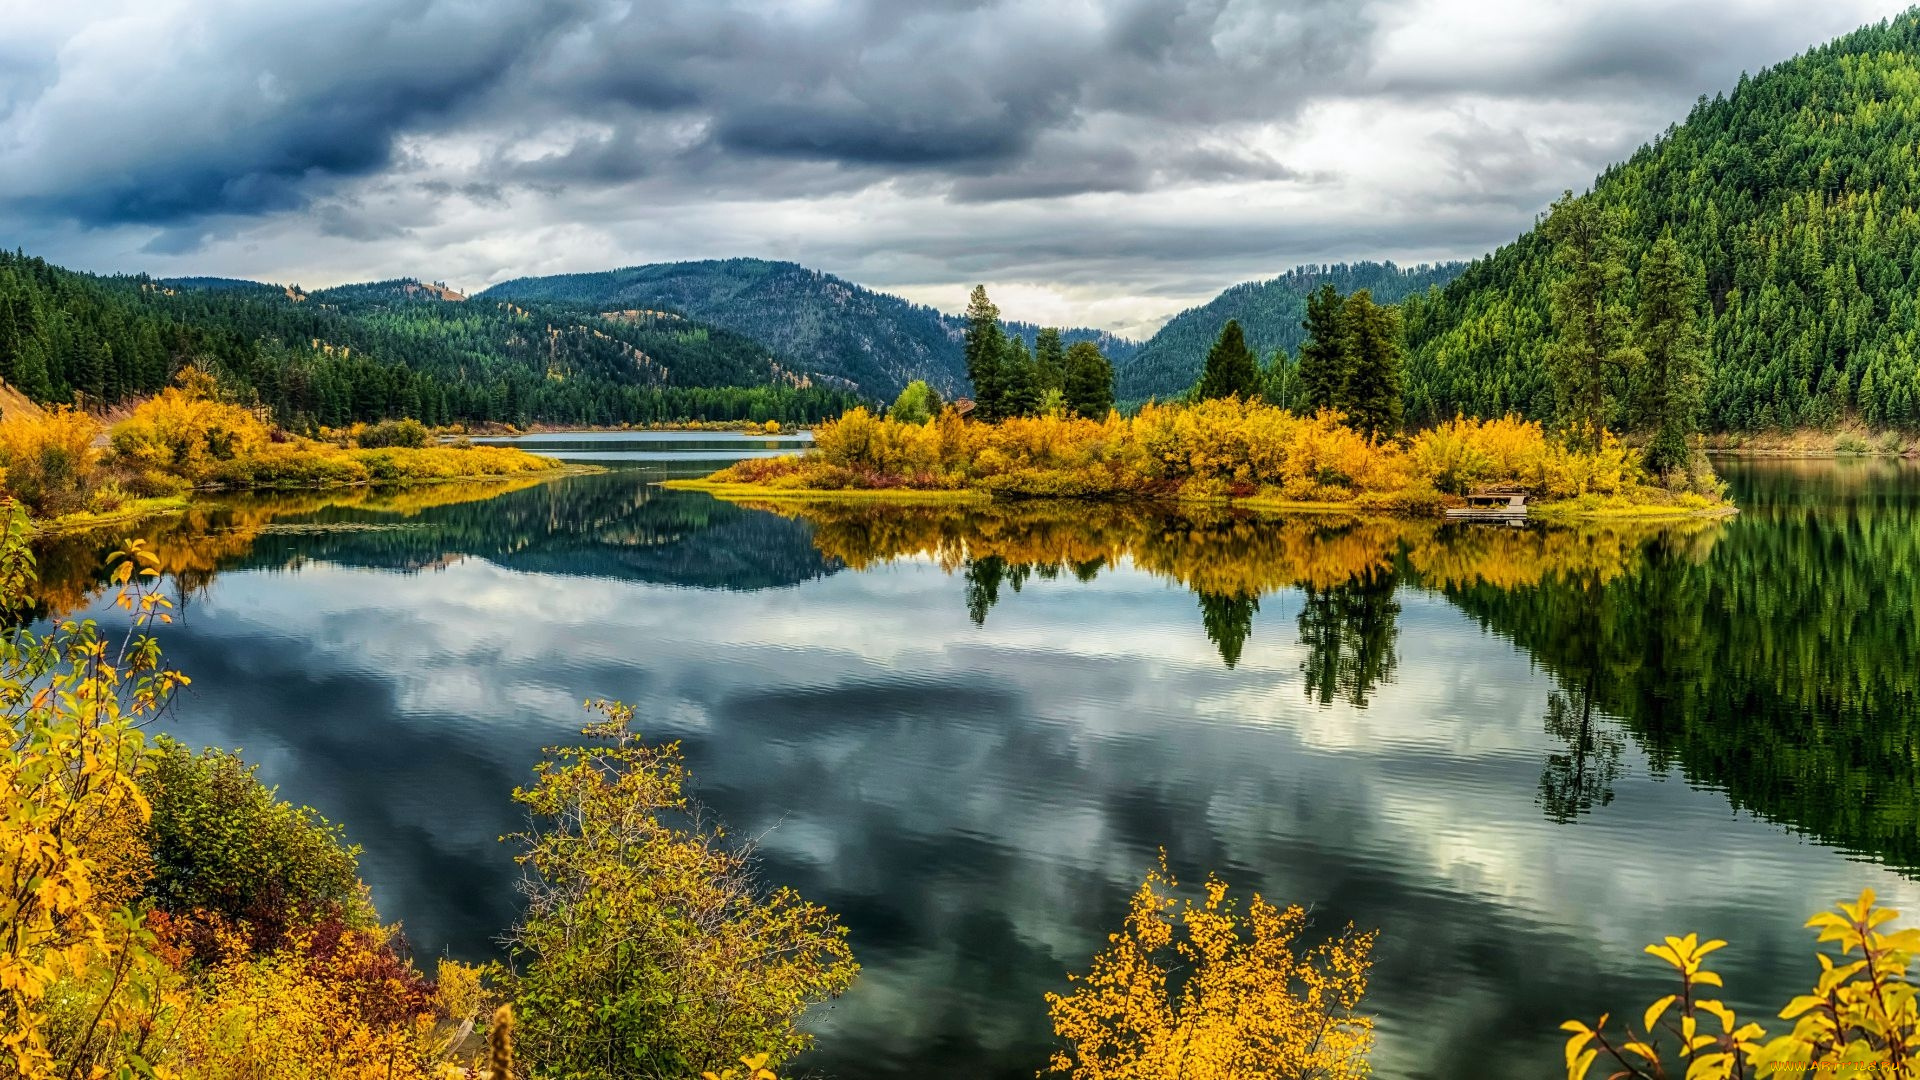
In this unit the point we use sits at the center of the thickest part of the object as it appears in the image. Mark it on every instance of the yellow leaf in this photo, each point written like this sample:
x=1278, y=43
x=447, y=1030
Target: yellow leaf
x=1656, y=1010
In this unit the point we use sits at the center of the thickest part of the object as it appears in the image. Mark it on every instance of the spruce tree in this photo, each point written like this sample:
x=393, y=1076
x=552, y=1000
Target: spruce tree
x=1667, y=404
x=1050, y=360
x=1231, y=369
x=986, y=347
x=1019, y=381
x=1089, y=385
x=1323, y=367
x=1370, y=342
x=1591, y=328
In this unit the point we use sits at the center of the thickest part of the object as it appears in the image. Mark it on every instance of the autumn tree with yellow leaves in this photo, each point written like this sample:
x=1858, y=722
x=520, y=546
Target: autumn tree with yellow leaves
x=1206, y=991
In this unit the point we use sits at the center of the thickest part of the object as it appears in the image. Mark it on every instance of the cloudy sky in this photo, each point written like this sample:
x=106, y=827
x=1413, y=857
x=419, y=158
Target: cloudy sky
x=1102, y=162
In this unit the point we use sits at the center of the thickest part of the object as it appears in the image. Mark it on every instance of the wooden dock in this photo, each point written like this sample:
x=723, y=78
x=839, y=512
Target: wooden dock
x=1492, y=504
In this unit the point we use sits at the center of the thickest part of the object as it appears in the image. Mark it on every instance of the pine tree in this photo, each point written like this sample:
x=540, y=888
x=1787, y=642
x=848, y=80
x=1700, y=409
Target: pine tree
x=1668, y=402
x=1089, y=381
x=1323, y=367
x=986, y=346
x=1231, y=369
x=1590, y=324
x=1370, y=342
x=1280, y=380
x=1019, y=380
x=1050, y=360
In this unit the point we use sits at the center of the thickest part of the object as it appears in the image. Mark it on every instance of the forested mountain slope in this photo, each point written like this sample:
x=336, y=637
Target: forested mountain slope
x=1798, y=195
x=1269, y=313
x=364, y=352
x=813, y=320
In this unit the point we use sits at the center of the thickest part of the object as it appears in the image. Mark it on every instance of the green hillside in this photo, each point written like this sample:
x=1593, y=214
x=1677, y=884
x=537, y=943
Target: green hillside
x=1269, y=312
x=815, y=321
x=1797, y=195
x=365, y=352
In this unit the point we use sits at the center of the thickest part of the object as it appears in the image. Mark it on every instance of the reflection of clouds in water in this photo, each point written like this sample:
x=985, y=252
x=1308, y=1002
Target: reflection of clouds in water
x=978, y=802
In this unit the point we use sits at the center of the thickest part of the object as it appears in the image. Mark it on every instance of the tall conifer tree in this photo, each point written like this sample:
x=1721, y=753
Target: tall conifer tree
x=1323, y=367
x=986, y=349
x=1591, y=326
x=1050, y=360
x=1089, y=385
x=1370, y=343
x=1231, y=369
x=1667, y=404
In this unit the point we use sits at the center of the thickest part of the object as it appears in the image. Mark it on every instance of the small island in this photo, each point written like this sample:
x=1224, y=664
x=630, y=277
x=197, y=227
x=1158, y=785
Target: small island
x=1319, y=432
x=69, y=470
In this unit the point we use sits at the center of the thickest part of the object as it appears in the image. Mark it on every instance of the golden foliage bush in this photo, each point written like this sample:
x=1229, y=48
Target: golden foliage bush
x=1208, y=449
x=51, y=464
x=182, y=437
x=1250, y=999
x=92, y=983
x=182, y=434
x=1860, y=1018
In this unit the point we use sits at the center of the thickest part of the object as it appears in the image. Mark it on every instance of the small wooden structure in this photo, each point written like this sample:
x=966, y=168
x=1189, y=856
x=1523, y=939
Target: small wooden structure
x=1502, y=503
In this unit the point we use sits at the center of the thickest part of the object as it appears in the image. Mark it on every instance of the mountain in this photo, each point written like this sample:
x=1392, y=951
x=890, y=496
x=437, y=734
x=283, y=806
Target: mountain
x=402, y=347
x=1269, y=312
x=816, y=322
x=1795, y=195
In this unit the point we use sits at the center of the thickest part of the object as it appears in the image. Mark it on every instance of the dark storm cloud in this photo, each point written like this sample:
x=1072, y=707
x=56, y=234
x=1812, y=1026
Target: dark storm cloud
x=266, y=110
x=252, y=111
x=897, y=141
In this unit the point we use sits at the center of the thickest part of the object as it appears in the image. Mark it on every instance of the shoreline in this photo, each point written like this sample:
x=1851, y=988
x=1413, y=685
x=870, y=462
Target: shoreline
x=1566, y=511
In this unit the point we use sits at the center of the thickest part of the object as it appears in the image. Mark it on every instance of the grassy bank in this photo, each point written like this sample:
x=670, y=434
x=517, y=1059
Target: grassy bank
x=1222, y=452
x=1850, y=440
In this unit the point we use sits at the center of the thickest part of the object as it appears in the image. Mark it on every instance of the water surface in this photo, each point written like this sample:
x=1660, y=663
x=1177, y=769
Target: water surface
x=1521, y=754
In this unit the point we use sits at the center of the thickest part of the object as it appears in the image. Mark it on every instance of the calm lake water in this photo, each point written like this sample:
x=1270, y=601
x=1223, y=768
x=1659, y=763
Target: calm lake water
x=1520, y=754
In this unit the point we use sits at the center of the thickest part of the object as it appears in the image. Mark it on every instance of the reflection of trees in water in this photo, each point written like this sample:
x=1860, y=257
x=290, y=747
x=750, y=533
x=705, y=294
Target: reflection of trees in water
x=1349, y=632
x=1228, y=621
x=1775, y=666
x=610, y=525
x=1576, y=781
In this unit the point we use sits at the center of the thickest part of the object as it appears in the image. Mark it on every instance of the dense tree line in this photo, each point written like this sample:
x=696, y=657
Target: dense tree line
x=1270, y=314
x=1009, y=380
x=1796, y=197
x=364, y=353
x=1350, y=361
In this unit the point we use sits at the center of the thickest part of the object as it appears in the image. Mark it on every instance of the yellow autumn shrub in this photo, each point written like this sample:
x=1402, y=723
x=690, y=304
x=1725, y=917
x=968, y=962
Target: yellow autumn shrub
x=1208, y=449
x=50, y=463
x=1859, y=1019
x=1250, y=998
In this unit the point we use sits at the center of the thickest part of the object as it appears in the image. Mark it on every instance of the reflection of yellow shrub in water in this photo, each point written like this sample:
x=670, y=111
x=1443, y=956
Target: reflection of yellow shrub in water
x=1210, y=449
x=190, y=547
x=1225, y=552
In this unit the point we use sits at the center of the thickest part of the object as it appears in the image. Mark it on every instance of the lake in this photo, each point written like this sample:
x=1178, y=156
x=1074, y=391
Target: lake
x=1520, y=753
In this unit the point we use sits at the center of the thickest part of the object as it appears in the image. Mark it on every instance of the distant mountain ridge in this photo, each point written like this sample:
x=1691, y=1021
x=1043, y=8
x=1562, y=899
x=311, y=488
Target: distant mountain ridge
x=382, y=349
x=1269, y=312
x=816, y=322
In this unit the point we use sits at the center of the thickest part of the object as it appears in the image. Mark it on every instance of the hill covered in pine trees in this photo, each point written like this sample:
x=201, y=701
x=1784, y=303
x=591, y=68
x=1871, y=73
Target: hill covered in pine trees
x=385, y=349
x=874, y=340
x=1797, y=196
x=1269, y=313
